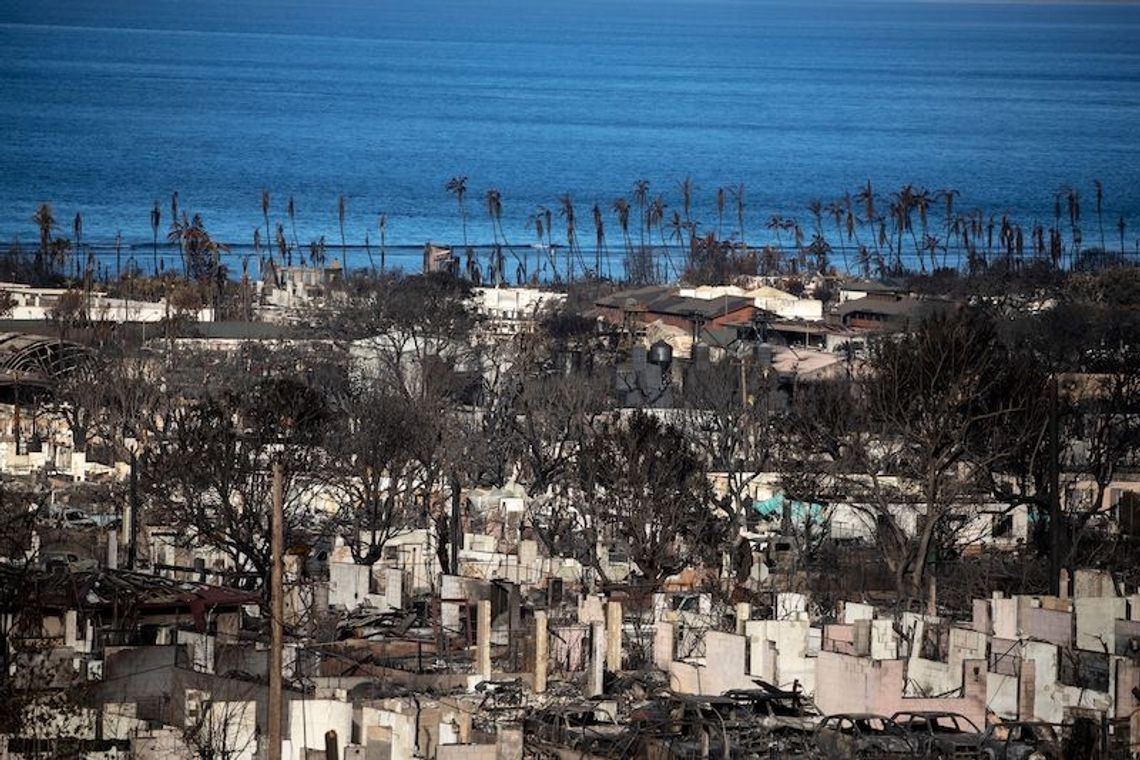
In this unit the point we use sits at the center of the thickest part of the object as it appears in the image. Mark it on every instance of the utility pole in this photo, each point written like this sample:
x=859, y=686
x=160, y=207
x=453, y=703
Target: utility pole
x=743, y=384
x=277, y=613
x=1055, y=517
x=133, y=506
x=456, y=533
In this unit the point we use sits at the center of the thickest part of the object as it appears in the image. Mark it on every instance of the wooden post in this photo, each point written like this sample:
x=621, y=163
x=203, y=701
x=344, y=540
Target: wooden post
x=277, y=612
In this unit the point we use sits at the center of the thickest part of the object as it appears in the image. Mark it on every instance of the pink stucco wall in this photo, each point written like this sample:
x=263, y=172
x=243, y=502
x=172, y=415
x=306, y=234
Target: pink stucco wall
x=859, y=684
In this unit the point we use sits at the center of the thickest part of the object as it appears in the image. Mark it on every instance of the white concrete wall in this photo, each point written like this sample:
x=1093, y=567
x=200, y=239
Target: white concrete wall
x=1050, y=696
x=309, y=719
x=1096, y=621
x=394, y=719
x=790, y=640
x=348, y=584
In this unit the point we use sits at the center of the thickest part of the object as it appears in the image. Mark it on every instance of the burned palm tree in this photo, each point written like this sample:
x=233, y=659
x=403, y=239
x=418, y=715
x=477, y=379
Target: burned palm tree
x=566, y=211
x=155, y=221
x=542, y=220
x=202, y=252
x=621, y=208
x=317, y=250
x=494, y=206
x=677, y=229
x=77, y=230
x=495, y=212
x=686, y=187
x=1121, y=226
x=815, y=208
x=792, y=226
x=720, y=204
x=641, y=198
x=655, y=217
x=776, y=224
x=948, y=196
x=599, y=240
x=382, y=223
x=837, y=212
x=1099, y=217
x=457, y=186
x=1074, y=200
x=283, y=250
x=119, y=253
x=44, y=219
x=866, y=197
x=852, y=229
x=819, y=251
x=920, y=200
x=863, y=260
x=340, y=211
x=175, y=223
x=257, y=243
x=265, y=213
x=291, y=211
x=540, y=236
x=903, y=205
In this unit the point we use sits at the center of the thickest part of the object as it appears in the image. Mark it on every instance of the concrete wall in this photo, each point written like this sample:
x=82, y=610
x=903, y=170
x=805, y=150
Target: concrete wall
x=1054, y=626
x=1096, y=622
x=789, y=641
x=723, y=667
x=1050, y=697
x=860, y=684
x=309, y=720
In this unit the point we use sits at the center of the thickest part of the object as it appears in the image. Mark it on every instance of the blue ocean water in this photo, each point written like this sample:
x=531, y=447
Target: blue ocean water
x=107, y=106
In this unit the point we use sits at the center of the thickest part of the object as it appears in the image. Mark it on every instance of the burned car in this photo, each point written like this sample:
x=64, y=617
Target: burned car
x=862, y=735
x=1021, y=740
x=688, y=725
x=941, y=734
x=778, y=711
x=583, y=726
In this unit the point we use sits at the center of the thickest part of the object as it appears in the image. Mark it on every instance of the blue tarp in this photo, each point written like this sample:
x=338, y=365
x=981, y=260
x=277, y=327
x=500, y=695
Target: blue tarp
x=773, y=508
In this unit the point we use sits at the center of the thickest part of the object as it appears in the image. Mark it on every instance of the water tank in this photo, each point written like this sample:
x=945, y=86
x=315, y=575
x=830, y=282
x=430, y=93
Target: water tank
x=763, y=354
x=700, y=354
x=661, y=354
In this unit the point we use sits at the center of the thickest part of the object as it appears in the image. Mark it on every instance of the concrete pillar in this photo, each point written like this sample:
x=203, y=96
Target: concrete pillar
x=597, y=665
x=483, y=646
x=394, y=587
x=1027, y=690
x=514, y=631
x=541, y=651
x=79, y=465
x=509, y=742
x=768, y=656
x=613, y=636
x=112, y=549
x=528, y=561
x=743, y=615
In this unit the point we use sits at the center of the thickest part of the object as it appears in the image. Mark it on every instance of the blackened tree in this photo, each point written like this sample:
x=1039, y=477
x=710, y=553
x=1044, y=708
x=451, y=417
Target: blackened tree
x=644, y=488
